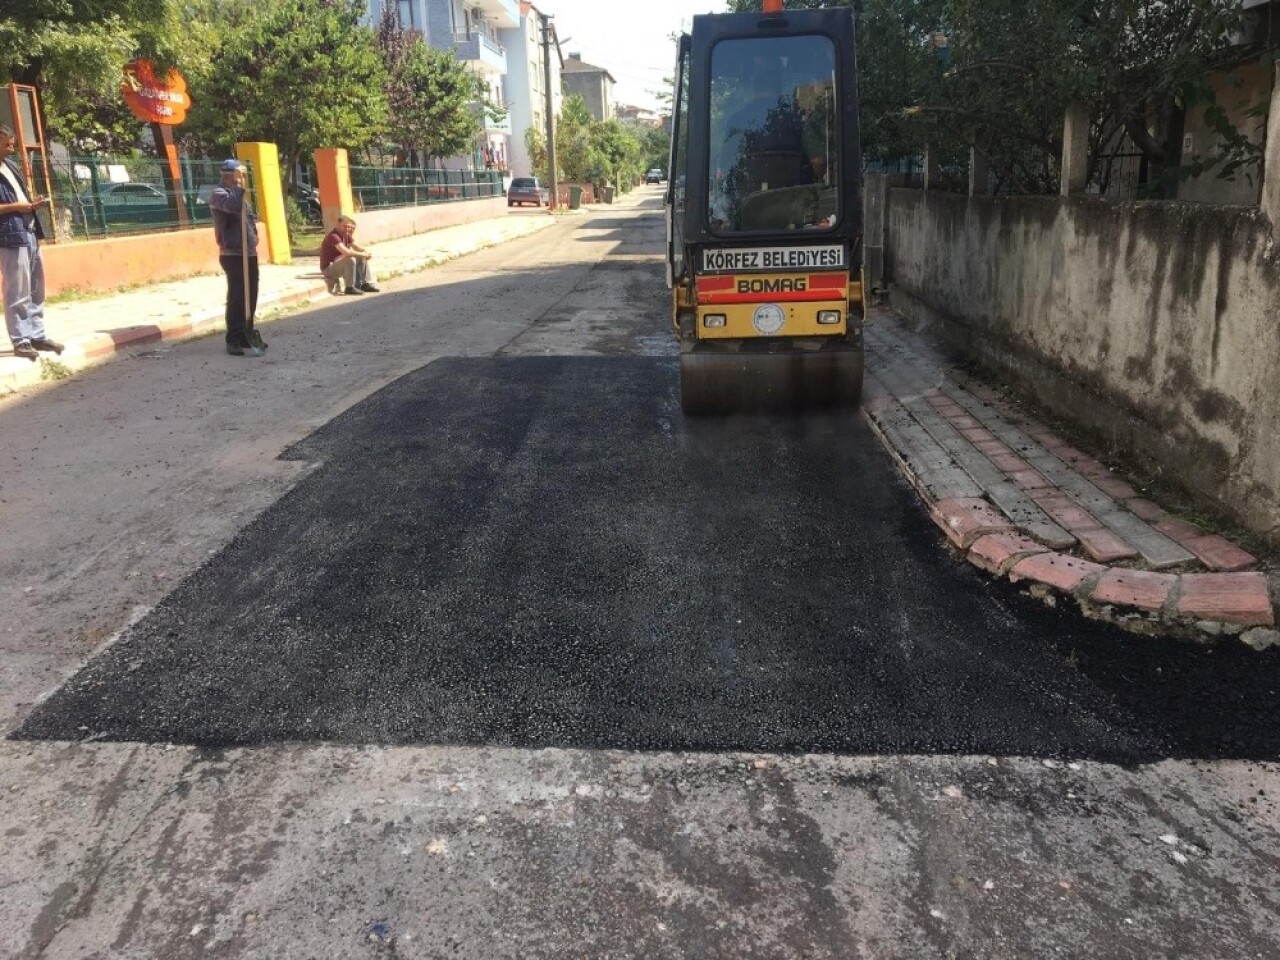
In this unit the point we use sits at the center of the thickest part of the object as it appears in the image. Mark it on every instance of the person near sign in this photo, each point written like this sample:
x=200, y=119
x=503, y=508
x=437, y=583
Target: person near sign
x=345, y=262
x=235, y=229
x=21, y=268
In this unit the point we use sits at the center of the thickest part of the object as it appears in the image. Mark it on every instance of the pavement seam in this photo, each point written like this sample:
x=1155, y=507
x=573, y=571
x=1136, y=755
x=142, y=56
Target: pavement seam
x=79, y=908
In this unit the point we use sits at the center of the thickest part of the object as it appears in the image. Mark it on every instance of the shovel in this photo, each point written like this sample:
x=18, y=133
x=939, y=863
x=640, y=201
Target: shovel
x=256, y=346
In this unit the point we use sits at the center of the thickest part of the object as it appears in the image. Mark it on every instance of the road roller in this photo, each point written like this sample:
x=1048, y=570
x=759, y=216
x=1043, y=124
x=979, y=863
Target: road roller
x=764, y=212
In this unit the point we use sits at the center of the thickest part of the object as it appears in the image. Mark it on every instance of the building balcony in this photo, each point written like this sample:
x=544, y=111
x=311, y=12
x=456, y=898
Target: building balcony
x=477, y=49
x=504, y=14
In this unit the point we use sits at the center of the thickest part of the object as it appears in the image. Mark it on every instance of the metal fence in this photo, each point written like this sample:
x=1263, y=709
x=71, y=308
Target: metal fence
x=112, y=196
x=377, y=188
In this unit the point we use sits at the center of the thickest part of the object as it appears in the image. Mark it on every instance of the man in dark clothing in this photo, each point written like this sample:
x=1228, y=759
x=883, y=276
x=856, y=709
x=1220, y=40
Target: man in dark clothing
x=21, y=268
x=229, y=206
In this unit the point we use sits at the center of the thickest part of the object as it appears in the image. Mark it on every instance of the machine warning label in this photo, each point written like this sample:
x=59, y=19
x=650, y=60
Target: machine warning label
x=773, y=258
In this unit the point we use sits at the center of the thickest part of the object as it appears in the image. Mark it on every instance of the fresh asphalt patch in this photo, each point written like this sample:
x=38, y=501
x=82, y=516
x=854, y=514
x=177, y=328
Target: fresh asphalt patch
x=542, y=552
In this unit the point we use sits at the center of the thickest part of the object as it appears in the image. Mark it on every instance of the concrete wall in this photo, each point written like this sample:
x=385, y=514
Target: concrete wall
x=1154, y=327
x=378, y=225
x=103, y=265
x=1238, y=92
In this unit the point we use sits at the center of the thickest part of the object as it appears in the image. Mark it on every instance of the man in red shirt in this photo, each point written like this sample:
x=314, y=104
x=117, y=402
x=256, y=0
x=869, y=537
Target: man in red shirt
x=344, y=262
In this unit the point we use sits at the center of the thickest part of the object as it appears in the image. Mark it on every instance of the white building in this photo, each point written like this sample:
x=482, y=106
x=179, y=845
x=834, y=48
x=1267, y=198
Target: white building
x=475, y=30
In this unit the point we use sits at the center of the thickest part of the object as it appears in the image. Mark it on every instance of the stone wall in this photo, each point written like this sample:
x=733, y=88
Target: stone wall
x=1154, y=327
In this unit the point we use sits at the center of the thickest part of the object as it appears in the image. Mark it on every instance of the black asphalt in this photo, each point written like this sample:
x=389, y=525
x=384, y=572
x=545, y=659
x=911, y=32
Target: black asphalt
x=543, y=552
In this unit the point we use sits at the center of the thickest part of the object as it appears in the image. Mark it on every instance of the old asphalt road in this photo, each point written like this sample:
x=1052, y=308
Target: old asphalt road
x=453, y=639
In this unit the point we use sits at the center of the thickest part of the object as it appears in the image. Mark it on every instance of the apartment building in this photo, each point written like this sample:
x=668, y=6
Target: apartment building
x=475, y=31
x=593, y=84
x=526, y=80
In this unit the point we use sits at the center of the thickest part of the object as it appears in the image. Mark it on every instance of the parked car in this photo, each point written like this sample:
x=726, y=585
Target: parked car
x=124, y=205
x=654, y=176
x=527, y=190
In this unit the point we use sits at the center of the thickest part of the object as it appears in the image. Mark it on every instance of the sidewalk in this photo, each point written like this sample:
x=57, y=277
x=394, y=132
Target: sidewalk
x=96, y=328
x=1021, y=503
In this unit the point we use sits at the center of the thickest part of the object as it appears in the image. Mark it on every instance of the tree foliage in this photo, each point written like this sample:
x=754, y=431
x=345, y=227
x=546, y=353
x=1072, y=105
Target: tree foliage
x=302, y=74
x=998, y=75
x=438, y=103
x=577, y=155
x=74, y=51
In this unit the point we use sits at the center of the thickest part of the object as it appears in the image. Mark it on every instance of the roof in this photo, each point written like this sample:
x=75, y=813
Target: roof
x=575, y=64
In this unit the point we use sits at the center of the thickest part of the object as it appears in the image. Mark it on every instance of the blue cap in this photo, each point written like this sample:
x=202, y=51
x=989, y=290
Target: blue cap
x=231, y=166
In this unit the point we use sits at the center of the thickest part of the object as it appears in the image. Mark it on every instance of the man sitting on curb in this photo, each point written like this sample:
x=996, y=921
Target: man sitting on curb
x=345, y=262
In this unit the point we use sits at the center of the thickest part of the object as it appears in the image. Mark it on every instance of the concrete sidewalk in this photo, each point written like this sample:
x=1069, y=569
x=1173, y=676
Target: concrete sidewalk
x=1020, y=502
x=96, y=328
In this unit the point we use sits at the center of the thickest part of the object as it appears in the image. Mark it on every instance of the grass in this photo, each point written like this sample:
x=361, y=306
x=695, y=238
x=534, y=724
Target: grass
x=53, y=369
x=306, y=241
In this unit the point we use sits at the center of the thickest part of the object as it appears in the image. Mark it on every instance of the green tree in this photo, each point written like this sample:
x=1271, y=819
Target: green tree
x=302, y=74
x=535, y=144
x=74, y=50
x=438, y=103
x=655, y=143
x=577, y=153
x=621, y=151
x=998, y=75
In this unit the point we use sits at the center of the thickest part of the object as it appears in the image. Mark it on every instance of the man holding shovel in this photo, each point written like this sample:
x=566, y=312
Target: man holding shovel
x=236, y=231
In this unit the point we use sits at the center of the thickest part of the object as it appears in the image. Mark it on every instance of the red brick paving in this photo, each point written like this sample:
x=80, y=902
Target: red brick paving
x=995, y=552
x=1228, y=597
x=1219, y=553
x=1095, y=471
x=1009, y=463
x=1114, y=487
x=1029, y=480
x=1145, y=509
x=1058, y=570
x=992, y=447
x=1065, y=511
x=1103, y=545
x=977, y=434
x=1178, y=530
x=965, y=519
x=1134, y=588
x=994, y=543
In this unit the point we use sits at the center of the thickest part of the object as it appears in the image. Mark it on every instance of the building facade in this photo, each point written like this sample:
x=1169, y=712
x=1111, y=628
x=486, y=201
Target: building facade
x=474, y=30
x=526, y=81
x=593, y=84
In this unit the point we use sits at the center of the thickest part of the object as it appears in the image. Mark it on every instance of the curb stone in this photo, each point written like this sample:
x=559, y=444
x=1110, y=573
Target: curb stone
x=963, y=451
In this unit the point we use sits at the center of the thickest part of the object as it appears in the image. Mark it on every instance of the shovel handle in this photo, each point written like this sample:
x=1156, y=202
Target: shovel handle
x=244, y=253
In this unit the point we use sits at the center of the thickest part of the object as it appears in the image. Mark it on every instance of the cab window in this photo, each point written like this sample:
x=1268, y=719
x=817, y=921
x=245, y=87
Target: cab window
x=774, y=153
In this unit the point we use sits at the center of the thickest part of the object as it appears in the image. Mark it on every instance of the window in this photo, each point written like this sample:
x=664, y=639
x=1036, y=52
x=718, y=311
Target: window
x=407, y=19
x=774, y=145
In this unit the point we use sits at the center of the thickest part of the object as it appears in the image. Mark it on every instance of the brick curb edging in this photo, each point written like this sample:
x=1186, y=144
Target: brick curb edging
x=1199, y=606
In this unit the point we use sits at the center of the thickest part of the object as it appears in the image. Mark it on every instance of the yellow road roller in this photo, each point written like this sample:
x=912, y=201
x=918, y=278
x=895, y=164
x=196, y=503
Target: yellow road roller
x=764, y=214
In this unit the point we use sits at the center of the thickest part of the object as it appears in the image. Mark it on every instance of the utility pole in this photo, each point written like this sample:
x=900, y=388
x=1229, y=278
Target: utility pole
x=551, y=117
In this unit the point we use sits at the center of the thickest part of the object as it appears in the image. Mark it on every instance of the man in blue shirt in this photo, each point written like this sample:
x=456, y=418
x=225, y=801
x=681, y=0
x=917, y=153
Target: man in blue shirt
x=21, y=267
x=228, y=204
